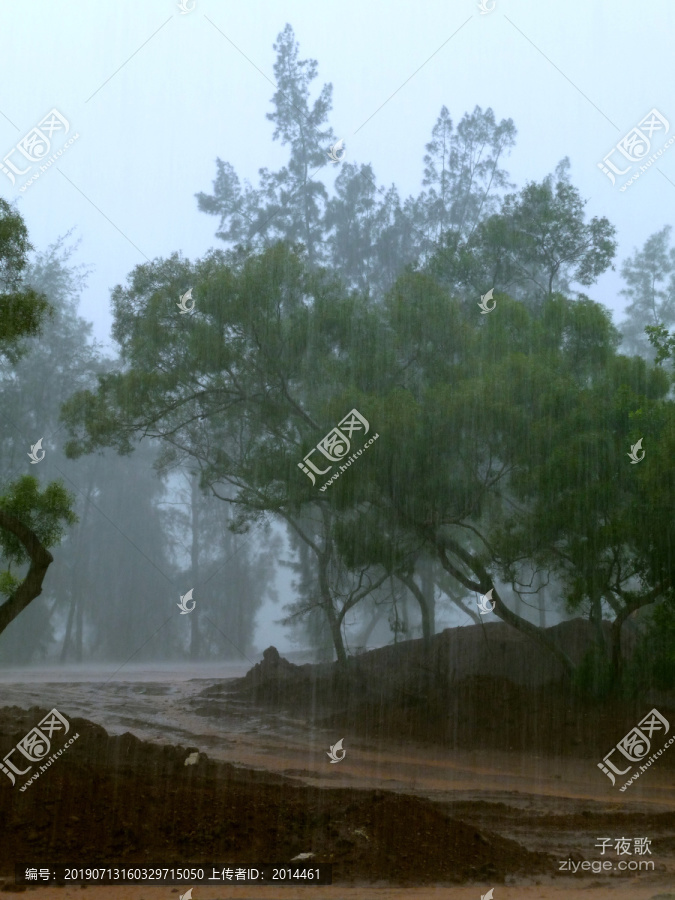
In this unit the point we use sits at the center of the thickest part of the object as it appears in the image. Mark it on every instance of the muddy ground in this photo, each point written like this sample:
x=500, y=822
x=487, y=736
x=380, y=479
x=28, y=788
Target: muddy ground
x=124, y=799
x=483, y=687
x=470, y=779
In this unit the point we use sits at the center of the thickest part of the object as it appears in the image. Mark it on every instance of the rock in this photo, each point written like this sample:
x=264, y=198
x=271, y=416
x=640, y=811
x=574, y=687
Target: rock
x=271, y=656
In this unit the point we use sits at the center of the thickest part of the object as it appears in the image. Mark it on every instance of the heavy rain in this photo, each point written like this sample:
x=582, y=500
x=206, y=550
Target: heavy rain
x=337, y=428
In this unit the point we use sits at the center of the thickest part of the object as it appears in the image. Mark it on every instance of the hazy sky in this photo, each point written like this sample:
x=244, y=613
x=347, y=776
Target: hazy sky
x=155, y=96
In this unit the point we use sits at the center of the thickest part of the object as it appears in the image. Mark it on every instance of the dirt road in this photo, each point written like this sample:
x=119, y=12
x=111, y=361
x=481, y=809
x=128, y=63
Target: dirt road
x=556, y=806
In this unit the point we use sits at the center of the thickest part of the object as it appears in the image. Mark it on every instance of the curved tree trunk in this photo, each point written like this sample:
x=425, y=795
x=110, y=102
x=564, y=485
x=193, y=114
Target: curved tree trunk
x=31, y=586
x=335, y=629
x=483, y=585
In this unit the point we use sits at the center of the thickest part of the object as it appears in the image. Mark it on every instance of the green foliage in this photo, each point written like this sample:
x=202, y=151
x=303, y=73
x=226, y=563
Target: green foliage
x=536, y=244
x=14, y=247
x=22, y=313
x=551, y=239
x=45, y=513
x=509, y=432
x=505, y=436
x=593, y=677
x=22, y=309
x=663, y=342
x=8, y=583
x=652, y=665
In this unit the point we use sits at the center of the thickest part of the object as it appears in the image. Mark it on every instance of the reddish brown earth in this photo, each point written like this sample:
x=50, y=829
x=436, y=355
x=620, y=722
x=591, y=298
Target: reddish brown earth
x=481, y=687
x=124, y=799
x=120, y=799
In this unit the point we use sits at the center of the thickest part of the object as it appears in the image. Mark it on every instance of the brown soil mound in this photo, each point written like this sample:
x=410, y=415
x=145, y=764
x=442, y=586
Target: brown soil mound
x=114, y=799
x=478, y=687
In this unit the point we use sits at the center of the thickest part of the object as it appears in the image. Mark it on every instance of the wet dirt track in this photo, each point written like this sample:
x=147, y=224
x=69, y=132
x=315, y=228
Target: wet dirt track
x=547, y=805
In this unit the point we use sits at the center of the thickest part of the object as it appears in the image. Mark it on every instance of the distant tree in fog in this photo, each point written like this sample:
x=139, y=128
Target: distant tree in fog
x=289, y=203
x=649, y=275
x=231, y=573
x=366, y=232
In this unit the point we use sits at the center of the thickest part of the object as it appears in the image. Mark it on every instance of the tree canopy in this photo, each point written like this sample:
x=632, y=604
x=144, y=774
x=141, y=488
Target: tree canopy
x=31, y=520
